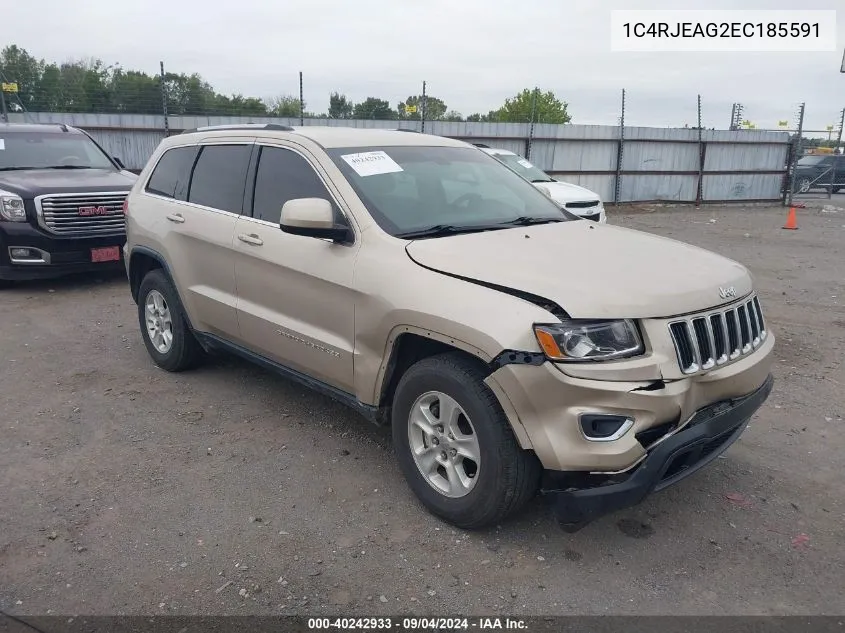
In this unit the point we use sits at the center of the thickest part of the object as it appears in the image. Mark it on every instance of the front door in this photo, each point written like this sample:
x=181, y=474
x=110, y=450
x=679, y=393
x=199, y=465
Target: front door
x=295, y=303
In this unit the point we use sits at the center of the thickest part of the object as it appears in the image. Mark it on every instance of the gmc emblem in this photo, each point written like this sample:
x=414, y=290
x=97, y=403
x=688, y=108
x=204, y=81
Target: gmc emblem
x=86, y=211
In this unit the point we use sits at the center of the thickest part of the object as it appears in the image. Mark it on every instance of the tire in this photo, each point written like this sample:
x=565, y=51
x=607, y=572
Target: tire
x=803, y=185
x=505, y=477
x=183, y=351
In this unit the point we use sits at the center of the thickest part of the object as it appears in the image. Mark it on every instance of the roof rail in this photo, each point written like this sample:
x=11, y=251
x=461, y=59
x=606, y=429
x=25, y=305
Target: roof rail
x=482, y=145
x=242, y=126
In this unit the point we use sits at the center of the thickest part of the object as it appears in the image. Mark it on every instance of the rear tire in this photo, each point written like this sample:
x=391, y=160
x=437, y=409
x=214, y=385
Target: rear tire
x=165, y=331
x=468, y=493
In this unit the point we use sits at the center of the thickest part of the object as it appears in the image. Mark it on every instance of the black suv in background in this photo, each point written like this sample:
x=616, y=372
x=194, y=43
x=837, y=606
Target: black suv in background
x=819, y=171
x=61, y=202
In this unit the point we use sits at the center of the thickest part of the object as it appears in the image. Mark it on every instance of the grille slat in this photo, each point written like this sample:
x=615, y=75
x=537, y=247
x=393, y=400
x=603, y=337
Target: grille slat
x=60, y=214
x=704, y=341
x=720, y=340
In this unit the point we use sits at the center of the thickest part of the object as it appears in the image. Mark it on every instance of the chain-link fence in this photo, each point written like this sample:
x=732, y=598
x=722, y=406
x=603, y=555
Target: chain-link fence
x=691, y=164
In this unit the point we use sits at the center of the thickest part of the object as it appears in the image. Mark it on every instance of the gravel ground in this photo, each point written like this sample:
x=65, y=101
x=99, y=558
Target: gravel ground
x=228, y=490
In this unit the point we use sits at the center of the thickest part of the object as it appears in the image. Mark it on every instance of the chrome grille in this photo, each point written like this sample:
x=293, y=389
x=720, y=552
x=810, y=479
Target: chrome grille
x=706, y=340
x=82, y=214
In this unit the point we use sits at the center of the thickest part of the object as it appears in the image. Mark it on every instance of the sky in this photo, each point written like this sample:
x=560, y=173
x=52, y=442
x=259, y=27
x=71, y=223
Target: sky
x=472, y=54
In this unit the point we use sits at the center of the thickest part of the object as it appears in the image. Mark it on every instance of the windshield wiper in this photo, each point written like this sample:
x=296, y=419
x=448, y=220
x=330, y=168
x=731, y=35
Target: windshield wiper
x=527, y=220
x=30, y=167
x=446, y=229
x=542, y=180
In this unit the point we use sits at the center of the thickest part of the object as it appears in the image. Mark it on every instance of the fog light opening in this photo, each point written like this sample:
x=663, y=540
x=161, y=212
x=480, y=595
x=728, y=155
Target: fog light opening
x=601, y=427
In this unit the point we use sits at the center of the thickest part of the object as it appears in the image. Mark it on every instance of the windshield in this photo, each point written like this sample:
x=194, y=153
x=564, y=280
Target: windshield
x=809, y=161
x=411, y=188
x=40, y=150
x=521, y=166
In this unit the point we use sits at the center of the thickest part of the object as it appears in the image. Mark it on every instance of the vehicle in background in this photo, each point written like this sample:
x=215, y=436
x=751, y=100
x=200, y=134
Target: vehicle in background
x=61, y=202
x=429, y=287
x=819, y=171
x=573, y=198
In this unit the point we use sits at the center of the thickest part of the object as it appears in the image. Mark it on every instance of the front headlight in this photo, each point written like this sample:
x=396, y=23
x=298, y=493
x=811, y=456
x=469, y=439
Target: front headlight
x=11, y=208
x=586, y=340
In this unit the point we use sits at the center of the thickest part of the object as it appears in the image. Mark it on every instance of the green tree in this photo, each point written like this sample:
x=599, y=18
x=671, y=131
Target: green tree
x=434, y=108
x=339, y=106
x=493, y=116
x=453, y=115
x=285, y=106
x=374, y=108
x=547, y=109
x=17, y=65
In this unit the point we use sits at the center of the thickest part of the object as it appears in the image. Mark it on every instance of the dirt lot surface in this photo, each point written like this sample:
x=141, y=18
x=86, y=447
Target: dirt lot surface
x=125, y=489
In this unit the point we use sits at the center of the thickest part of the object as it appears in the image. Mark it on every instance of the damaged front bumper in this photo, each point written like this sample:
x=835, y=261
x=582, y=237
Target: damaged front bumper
x=707, y=434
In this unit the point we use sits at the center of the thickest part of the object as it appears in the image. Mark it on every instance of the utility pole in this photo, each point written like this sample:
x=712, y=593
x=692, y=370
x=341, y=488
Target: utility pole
x=422, y=111
x=3, y=101
x=699, y=194
x=796, y=154
x=531, y=128
x=620, y=153
x=835, y=150
x=164, y=101
x=301, y=102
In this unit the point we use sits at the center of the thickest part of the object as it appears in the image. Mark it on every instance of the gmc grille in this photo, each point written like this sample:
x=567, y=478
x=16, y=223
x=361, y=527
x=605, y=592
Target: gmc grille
x=707, y=340
x=83, y=214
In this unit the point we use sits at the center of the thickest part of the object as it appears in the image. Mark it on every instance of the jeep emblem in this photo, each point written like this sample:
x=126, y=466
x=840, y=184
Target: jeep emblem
x=727, y=293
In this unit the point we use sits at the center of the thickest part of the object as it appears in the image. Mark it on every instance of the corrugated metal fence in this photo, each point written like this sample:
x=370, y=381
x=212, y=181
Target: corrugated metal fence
x=658, y=164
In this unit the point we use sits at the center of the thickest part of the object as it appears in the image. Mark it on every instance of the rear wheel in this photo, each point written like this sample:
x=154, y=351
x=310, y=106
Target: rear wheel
x=165, y=331
x=455, y=445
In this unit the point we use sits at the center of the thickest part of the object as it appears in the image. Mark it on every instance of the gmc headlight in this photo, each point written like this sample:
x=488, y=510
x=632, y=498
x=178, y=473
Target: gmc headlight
x=11, y=208
x=588, y=340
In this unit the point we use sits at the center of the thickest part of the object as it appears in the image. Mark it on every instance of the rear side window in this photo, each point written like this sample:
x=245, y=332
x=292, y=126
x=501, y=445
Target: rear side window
x=219, y=177
x=284, y=175
x=170, y=177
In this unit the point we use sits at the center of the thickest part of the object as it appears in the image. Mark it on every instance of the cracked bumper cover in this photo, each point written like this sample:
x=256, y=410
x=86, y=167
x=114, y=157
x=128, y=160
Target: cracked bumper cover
x=708, y=433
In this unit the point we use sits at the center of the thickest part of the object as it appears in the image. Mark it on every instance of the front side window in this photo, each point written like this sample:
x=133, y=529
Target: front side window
x=408, y=189
x=50, y=150
x=283, y=175
x=219, y=177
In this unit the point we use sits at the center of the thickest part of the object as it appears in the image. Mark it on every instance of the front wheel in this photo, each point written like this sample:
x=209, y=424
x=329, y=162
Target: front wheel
x=455, y=445
x=803, y=185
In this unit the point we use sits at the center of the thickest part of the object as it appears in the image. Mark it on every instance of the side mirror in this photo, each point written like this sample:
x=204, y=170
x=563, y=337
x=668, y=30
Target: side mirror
x=312, y=217
x=119, y=162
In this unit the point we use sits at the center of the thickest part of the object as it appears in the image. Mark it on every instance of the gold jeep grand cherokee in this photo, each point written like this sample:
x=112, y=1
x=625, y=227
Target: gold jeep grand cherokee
x=512, y=346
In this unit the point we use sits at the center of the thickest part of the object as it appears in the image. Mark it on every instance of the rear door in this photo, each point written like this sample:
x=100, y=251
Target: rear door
x=296, y=305
x=201, y=228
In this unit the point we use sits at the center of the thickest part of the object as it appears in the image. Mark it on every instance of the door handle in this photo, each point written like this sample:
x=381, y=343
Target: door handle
x=251, y=238
x=176, y=217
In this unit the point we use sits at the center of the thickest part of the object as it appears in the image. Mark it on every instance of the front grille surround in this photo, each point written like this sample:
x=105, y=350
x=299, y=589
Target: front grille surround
x=58, y=213
x=709, y=339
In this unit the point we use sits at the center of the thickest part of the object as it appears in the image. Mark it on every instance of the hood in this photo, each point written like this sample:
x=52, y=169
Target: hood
x=564, y=192
x=35, y=182
x=590, y=270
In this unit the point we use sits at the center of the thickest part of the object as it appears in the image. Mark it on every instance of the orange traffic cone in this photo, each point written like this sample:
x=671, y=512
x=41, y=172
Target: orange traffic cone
x=791, y=222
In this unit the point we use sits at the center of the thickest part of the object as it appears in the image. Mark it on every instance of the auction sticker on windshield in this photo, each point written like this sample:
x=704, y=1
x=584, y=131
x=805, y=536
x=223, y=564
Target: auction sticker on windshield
x=371, y=163
x=2, y=144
